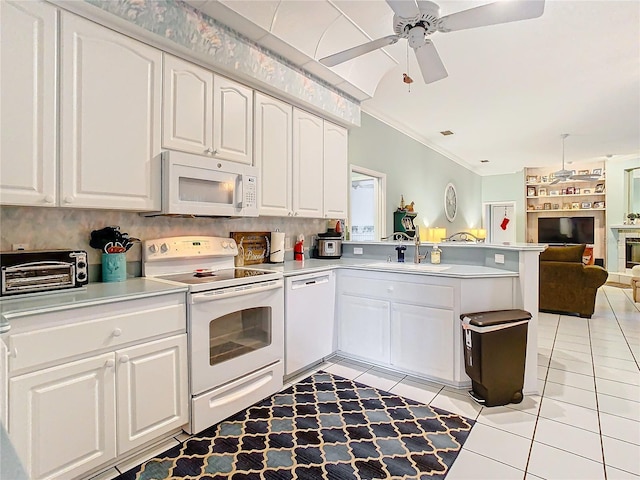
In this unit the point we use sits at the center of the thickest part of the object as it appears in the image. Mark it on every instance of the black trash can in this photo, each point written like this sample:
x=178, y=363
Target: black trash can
x=495, y=347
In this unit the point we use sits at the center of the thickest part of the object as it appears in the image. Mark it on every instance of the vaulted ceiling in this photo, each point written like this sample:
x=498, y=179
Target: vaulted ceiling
x=512, y=89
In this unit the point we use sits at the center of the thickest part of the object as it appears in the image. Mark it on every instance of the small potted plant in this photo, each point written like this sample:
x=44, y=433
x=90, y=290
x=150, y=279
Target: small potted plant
x=632, y=218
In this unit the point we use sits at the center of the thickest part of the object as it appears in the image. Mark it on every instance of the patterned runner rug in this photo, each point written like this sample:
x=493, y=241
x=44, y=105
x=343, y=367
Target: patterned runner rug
x=324, y=427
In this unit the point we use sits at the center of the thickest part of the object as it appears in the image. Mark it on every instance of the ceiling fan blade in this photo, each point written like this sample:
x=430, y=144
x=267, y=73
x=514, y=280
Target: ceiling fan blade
x=555, y=181
x=354, y=52
x=430, y=63
x=404, y=8
x=492, y=14
x=585, y=177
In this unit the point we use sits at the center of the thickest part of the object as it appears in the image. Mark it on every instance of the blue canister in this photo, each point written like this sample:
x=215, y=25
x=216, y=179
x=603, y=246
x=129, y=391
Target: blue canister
x=114, y=267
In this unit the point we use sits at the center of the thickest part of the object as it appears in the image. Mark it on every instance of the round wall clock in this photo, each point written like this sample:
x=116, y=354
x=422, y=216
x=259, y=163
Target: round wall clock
x=450, y=202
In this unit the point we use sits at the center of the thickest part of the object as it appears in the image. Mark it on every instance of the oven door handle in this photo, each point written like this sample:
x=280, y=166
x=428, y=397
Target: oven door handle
x=234, y=292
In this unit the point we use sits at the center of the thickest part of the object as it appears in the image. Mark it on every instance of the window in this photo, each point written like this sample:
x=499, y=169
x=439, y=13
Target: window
x=366, y=204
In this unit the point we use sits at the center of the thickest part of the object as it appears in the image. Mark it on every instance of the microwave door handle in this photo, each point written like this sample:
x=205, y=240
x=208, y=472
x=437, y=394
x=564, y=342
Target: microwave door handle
x=240, y=191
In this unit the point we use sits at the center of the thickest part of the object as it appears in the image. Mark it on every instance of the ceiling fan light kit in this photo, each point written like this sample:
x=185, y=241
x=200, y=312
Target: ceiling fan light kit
x=416, y=20
x=564, y=175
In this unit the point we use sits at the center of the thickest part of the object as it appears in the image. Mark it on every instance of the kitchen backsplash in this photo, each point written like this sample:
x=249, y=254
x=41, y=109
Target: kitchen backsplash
x=52, y=228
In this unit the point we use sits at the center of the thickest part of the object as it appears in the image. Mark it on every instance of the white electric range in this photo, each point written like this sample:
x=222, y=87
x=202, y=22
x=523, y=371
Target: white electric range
x=235, y=323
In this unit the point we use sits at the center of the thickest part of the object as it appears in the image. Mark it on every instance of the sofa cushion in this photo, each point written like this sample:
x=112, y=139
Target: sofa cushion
x=571, y=253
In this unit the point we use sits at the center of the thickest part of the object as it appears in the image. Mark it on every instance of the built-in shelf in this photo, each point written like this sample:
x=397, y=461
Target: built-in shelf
x=568, y=195
x=567, y=210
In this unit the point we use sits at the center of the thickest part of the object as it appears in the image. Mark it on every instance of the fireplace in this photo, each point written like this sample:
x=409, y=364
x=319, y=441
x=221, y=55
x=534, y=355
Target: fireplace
x=632, y=251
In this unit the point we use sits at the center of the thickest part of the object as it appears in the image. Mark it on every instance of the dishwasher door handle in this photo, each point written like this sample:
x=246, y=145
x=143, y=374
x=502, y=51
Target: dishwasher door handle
x=310, y=282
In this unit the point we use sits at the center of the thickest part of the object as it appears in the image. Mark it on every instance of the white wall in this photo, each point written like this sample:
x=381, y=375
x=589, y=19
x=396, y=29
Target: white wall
x=418, y=173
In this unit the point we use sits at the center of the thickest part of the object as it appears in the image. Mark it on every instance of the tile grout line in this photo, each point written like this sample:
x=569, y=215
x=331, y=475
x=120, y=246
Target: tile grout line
x=544, y=387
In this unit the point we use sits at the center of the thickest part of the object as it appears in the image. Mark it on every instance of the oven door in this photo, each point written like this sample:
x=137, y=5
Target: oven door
x=234, y=331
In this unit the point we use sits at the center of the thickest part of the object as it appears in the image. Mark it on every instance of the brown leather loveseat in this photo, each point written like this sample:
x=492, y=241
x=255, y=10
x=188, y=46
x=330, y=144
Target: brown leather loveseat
x=566, y=284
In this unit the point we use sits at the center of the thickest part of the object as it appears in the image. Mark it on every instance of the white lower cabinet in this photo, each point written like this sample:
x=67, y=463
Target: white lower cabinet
x=103, y=385
x=364, y=328
x=422, y=340
x=62, y=419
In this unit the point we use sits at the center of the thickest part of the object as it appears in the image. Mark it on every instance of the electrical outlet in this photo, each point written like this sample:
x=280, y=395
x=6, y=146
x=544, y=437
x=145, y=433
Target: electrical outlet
x=499, y=258
x=19, y=246
x=287, y=243
x=358, y=251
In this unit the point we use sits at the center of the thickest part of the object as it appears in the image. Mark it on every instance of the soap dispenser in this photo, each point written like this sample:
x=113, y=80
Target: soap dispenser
x=435, y=254
x=400, y=249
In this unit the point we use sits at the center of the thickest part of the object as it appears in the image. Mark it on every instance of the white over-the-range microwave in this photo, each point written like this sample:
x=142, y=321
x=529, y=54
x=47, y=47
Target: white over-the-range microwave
x=206, y=186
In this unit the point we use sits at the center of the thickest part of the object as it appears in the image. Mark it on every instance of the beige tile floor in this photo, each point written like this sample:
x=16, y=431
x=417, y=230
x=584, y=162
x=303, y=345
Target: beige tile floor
x=584, y=425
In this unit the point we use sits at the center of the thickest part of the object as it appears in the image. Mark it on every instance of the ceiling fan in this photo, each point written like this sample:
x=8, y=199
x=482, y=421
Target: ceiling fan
x=564, y=175
x=415, y=20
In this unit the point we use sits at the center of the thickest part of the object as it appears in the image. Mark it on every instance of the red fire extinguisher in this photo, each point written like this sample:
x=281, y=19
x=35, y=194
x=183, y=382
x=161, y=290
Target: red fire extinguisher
x=298, y=249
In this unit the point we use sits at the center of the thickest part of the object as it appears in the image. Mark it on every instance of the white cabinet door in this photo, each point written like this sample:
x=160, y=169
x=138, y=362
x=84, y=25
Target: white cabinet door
x=187, y=101
x=232, y=121
x=309, y=319
x=335, y=171
x=110, y=118
x=308, y=158
x=364, y=328
x=62, y=419
x=152, y=390
x=4, y=383
x=422, y=340
x=28, y=174
x=273, y=147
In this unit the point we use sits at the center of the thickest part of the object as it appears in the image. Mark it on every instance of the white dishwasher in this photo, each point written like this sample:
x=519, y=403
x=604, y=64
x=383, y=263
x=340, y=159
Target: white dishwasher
x=309, y=319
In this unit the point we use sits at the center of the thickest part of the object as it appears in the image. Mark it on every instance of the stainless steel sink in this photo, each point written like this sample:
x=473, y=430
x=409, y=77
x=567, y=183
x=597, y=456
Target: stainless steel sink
x=422, y=267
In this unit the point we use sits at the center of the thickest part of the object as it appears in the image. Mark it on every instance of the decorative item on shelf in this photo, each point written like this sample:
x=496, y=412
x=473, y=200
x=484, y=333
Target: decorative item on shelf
x=575, y=206
x=566, y=206
x=570, y=190
x=544, y=179
x=538, y=207
x=542, y=192
x=532, y=179
x=531, y=191
x=576, y=190
x=564, y=191
x=479, y=233
x=402, y=204
x=585, y=205
x=555, y=206
x=586, y=191
x=554, y=193
x=632, y=217
x=547, y=206
x=531, y=207
x=435, y=234
x=598, y=204
x=463, y=237
x=596, y=171
x=600, y=188
x=410, y=207
x=113, y=244
x=583, y=172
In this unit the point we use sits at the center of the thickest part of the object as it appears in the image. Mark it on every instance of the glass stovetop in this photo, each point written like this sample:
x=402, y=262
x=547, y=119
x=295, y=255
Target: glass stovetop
x=211, y=276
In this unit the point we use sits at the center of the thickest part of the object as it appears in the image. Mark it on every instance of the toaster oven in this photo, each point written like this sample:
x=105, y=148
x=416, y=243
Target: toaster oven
x=36, y=271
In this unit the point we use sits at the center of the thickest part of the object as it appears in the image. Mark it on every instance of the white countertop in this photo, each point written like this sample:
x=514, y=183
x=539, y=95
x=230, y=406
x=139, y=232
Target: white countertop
x=93, y=294
x=312, y=265
x=536, y=247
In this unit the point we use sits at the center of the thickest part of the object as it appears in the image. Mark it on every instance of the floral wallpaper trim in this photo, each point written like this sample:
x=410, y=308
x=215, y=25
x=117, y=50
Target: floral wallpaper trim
x=190, y=28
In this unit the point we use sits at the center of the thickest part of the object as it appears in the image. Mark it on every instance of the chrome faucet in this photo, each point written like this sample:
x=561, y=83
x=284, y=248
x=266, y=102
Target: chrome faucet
x=417, y=258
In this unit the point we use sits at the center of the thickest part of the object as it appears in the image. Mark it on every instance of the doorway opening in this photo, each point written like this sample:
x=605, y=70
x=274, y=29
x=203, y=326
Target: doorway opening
x=500, y=219
x=367, y=198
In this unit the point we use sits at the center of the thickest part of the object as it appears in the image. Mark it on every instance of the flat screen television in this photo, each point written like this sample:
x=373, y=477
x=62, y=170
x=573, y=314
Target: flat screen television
x=561, y=230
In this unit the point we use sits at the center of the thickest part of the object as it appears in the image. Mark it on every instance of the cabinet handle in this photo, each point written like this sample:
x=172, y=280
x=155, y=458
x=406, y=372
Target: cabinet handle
x=109, y=363
x=48, y=199
x=390, y=289
x=295, y=214
x=290, y=213
x=209, y=151
x=13, y=353
x=68, y=199
x=124, y=358
x=117, y=332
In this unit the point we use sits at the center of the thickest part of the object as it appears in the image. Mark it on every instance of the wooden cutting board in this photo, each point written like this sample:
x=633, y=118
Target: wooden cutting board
x=253, y=247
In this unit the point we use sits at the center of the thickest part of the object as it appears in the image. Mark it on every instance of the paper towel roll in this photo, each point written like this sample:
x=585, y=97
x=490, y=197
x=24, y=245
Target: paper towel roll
x=277, y=247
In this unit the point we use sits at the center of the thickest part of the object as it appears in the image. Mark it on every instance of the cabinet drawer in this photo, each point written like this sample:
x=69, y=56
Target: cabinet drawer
x=407, y=292
x=59, y=342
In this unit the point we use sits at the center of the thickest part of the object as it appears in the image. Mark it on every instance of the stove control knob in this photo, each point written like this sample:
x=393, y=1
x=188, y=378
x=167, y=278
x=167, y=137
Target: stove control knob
x=225, y=244
x=164, y=248
x=153, y=248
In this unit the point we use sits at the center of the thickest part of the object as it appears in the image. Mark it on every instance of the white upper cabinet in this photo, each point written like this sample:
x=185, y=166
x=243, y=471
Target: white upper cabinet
x=187, y=103
x=273, y=147
x=232, y=121
x=308, y=158
x=110, y=114
x=335, y=171
x=28, y=107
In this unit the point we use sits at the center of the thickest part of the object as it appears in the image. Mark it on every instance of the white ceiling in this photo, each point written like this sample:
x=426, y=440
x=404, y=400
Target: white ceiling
x=512, y=89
